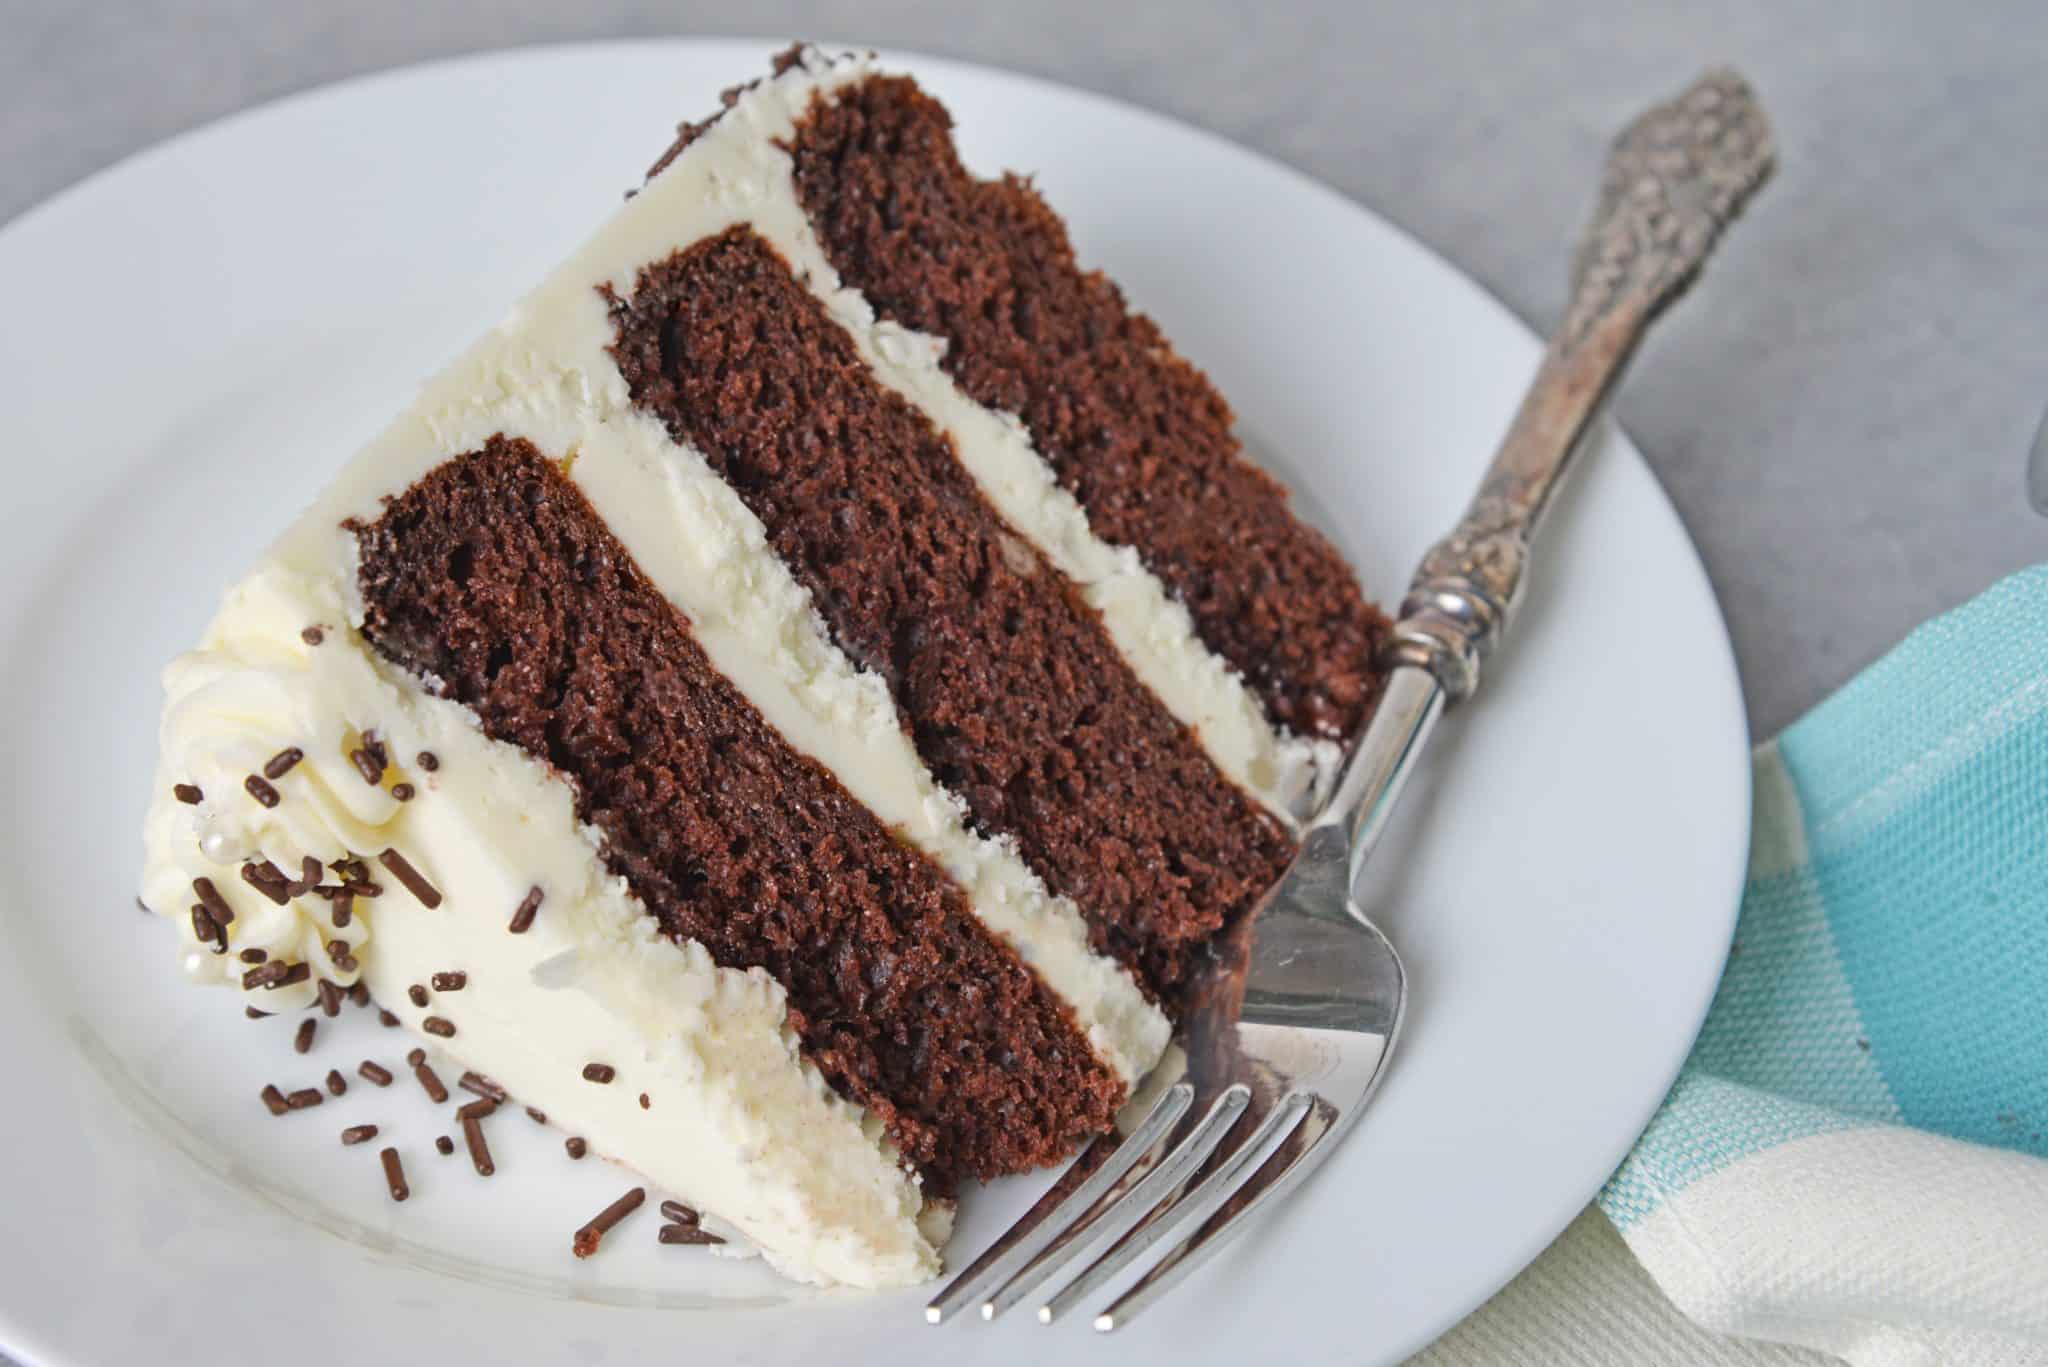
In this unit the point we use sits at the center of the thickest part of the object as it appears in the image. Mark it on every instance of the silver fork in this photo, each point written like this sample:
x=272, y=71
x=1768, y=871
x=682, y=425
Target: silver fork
x=1292, y=1034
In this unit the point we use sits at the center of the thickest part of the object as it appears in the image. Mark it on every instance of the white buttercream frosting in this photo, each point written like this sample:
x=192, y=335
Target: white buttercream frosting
x=738, y=1122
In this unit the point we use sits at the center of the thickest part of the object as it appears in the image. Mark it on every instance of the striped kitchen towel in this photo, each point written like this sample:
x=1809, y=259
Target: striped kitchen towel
x=1855, y=1157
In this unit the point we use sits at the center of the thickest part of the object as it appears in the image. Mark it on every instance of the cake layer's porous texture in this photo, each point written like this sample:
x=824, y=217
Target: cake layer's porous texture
x=1139, y=436
x=1006, y=680
x=494, y=580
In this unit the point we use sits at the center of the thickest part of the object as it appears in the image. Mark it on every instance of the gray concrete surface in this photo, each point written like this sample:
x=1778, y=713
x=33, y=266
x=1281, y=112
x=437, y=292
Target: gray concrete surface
x=1840, y=415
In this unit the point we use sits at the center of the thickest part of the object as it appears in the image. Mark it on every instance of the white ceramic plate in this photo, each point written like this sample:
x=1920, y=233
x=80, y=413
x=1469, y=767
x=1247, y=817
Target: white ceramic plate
x=195, y=341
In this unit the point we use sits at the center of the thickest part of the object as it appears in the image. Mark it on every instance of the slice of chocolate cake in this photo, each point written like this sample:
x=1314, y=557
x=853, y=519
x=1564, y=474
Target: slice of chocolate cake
x=815, y=678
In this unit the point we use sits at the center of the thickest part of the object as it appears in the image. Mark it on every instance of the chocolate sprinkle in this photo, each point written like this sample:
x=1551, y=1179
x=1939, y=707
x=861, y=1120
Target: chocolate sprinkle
x=188, y=794
x=342, y=909
x=479, y=1151
x=588, y=1237
x=308, y=879
x=449, y=982
x=266, y=879
x=297, y=973
x=431, y=1081
x=439, y=1025
x=687, y=1234
x=575, y=1145
x=203, y=929
x=402, y=791
x=274, y=1099
x=538, y=1116
x=418, y=994
x=281, y=763
x=359, y=992
x=645, y=1104
x=312, y=636
x=429, y=761
x=304, y=1097
x=303, y=1040
x=367, y=765
x=216, y=905
x=330, y=999
x=680, y=1213
x=481, y=1086
x=358, y=1134
x=375, y=1072
x=478, y=1109
x=374, y=743
x=265, y=975
x=261, y=790
x=254, y=954
x=253, y=1014
x=444, y=1145
x=405, y=873
x=385, y=1018
x=599, y=1072
x=522, y=919
x=394, y=1175
x=415, y=1057
x=336, y=1083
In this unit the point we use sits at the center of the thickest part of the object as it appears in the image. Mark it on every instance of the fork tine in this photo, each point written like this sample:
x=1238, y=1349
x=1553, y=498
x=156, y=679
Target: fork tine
x=1175, y=1213
x=1118, y=1216
x=1080, y=1187
x=1287, y=1167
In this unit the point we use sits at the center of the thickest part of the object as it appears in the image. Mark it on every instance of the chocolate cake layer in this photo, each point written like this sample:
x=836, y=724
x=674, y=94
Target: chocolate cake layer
x=1134, y=432
x=1008, y=684
x=494, y=580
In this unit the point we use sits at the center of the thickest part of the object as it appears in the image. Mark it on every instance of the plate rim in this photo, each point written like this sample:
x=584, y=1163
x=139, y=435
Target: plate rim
x=17, y=1332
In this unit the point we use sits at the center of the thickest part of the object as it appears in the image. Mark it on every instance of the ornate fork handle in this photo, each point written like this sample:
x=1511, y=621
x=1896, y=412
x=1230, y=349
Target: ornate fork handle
x=1675, y=178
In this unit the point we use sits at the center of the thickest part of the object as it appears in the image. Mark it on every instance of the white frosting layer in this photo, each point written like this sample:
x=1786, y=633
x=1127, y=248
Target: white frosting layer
x=738, y=1122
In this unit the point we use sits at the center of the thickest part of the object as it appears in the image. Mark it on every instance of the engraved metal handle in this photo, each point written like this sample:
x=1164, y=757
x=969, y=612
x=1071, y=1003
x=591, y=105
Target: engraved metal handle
x=1673, y=181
